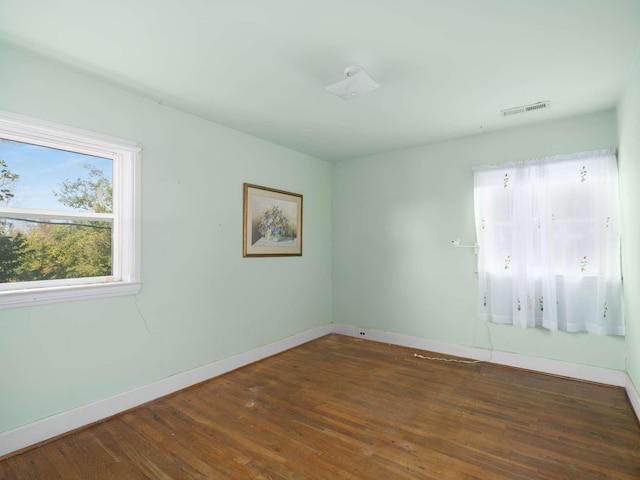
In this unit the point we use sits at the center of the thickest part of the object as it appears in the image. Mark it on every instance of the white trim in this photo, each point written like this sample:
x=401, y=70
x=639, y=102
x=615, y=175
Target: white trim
x=65, y=282
x=67, y=293
x=127, y=198
x=41, y=430
x=634, y=396
x=27, y=213
x=544, y=365
x=34, y=130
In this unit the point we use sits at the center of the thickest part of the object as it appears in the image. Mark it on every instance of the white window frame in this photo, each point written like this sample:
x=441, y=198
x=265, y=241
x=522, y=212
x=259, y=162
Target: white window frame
x=125, y=219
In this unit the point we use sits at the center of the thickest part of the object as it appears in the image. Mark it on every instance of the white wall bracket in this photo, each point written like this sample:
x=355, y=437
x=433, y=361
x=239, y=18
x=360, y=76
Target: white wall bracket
x=456, y=243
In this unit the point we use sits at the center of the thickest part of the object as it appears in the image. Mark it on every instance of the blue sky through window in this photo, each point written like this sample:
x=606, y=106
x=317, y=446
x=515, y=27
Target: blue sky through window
x=42, y=171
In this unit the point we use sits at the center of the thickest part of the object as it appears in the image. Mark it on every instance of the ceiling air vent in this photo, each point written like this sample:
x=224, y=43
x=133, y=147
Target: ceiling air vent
x=525, y=108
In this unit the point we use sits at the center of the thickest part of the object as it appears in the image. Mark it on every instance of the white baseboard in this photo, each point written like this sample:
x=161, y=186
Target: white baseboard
x=634, y=396
x=41, y=430
x=539, y=364
x=544, y=365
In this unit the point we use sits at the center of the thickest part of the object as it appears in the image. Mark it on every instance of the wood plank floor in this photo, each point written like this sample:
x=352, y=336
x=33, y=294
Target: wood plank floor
x=346, y=408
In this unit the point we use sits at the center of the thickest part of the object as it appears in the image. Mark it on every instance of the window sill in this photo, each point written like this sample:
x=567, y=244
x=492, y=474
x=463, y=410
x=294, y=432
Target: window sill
x=45, y=296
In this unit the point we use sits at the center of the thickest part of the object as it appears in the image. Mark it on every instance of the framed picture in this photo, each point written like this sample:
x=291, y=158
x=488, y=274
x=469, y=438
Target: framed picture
x=272, y=222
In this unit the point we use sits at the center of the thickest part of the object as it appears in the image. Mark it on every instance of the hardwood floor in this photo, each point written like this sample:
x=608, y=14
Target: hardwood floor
x=346, y=408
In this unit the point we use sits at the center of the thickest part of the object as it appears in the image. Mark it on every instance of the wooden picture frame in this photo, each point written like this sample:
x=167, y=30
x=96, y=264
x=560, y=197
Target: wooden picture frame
x=272, y=224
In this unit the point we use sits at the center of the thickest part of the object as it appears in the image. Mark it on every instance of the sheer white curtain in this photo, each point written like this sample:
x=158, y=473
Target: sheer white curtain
x=549, y=236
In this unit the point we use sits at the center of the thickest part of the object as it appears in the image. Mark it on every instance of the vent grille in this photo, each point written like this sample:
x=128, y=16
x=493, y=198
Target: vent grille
x=525, y=108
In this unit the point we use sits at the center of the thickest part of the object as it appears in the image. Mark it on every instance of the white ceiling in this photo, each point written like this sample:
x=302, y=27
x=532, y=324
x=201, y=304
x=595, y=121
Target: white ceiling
x=447, y=67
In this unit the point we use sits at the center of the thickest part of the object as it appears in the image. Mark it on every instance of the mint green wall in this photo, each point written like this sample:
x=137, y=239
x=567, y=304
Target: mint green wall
x=201, y=301
x=395, y=214
x=629, y=160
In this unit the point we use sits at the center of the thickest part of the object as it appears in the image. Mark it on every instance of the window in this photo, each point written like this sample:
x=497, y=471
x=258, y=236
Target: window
x=69, y=213
x=549, y=237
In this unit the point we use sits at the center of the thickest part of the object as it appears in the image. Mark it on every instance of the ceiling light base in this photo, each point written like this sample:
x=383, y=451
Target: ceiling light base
x=356, y=83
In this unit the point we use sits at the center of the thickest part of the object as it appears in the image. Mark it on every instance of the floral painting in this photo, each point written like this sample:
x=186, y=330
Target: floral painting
x=272, y=222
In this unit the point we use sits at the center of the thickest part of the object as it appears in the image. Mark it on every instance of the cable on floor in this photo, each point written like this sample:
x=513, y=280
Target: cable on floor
x=452, y=360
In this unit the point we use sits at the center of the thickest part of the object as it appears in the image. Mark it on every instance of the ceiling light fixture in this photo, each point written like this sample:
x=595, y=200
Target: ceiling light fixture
x=356, y=83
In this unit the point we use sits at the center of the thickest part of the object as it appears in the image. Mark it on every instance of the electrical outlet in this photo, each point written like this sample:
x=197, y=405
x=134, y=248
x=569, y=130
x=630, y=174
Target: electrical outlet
x=363, y=333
